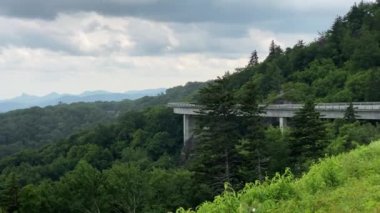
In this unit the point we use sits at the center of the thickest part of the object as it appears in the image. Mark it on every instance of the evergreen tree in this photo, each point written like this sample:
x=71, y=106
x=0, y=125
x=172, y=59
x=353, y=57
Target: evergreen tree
x=254, y=60
x=349, y=114
x=215, y=159
x=274, y=50
x=307, y=136
x=252, y=147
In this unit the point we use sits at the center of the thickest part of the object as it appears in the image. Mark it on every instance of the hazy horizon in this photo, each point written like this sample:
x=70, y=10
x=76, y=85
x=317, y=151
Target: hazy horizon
x=77, y=94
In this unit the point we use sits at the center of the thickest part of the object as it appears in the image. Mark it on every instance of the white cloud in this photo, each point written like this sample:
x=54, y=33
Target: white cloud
x=40, y=71
x=89, y=51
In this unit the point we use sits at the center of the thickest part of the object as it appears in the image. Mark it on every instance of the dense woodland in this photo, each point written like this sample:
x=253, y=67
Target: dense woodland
x=128, y=156
x=36, y=127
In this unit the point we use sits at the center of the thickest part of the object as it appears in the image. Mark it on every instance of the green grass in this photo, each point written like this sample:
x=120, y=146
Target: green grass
x=348, y=182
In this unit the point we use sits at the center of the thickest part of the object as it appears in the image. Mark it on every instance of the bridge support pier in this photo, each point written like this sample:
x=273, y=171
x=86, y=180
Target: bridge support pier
x=188, y=128
x=283, y=123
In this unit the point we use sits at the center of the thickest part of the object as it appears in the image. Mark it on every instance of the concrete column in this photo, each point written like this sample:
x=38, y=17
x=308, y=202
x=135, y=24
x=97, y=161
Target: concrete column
x=188, y=128
x=283, y=123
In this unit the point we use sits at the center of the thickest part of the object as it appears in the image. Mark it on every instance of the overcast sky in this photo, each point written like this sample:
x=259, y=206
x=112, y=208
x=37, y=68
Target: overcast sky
x=69, y=46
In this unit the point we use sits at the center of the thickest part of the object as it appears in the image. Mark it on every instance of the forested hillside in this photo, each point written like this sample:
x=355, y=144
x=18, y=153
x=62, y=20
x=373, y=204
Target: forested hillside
x=35, y=127
x=136, y=162
x=135, y=159
x=341, y=65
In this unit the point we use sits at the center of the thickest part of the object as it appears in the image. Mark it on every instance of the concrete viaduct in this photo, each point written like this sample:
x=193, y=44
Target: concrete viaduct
x=363, y=111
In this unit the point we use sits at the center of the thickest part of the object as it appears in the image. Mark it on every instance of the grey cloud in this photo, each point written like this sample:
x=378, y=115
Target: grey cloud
x=173, y=10
x=97, y=35
x=188, y=11
x=36, y=40
x=144, y=43
x=215, y=27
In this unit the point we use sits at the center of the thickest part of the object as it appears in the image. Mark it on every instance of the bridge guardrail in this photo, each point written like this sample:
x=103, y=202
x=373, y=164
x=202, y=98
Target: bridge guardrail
x=183, y=105
x=322, y=106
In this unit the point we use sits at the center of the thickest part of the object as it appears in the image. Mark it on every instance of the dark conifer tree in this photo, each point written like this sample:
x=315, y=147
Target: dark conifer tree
x=215, y=159
x=349, y=114
x=274, y=50
x=252, y=147
x=254, y=60
x=307, y=136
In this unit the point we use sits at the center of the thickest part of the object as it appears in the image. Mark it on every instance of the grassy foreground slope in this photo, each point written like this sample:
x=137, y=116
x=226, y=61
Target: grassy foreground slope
x=348, y=182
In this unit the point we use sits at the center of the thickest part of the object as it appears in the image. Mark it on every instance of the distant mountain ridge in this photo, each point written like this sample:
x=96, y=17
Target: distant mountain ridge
x=25, y=101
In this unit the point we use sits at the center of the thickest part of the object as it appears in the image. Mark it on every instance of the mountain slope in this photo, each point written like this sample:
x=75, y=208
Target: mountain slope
x=342, y=65
x=346, y=183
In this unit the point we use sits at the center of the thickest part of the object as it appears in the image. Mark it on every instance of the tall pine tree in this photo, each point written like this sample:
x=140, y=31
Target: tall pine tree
x=274, y=50
x=254, y=60
x=349, y=114
x=307, y=136
x=215, y=160
x=252, y=147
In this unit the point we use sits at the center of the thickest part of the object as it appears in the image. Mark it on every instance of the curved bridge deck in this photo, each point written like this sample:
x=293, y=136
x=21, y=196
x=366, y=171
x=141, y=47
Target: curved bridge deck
x=363, y=111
